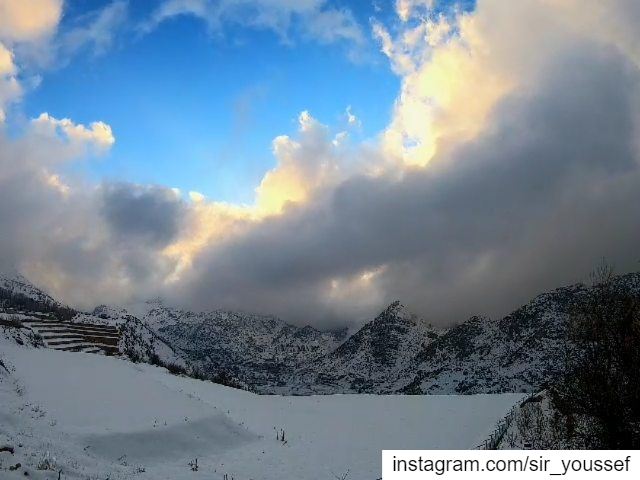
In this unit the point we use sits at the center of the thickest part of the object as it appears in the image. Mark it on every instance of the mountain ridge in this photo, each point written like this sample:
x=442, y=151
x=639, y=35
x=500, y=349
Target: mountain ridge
x=396, y=352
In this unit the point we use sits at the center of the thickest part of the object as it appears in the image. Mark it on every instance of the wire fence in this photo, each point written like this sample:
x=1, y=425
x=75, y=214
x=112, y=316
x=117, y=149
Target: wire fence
x=494, y=439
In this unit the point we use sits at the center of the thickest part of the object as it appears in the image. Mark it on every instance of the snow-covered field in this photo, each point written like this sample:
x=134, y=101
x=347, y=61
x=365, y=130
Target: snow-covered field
x=98, y=417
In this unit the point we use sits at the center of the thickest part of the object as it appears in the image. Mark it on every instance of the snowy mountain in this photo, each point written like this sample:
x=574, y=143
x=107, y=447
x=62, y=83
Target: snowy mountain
x=396, y=352
x=373, y=358
x=257, y=350
x=521, y=352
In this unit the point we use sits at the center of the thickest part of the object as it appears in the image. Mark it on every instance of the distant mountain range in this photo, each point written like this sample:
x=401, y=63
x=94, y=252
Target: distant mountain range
x=396, y=352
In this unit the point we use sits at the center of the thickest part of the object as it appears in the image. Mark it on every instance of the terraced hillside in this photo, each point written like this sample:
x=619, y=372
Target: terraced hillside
x=76, y=337
x=57, y=334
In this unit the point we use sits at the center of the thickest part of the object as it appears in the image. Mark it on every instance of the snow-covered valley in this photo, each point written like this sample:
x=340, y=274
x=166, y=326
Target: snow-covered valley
x=92, y=416
x=150, y=401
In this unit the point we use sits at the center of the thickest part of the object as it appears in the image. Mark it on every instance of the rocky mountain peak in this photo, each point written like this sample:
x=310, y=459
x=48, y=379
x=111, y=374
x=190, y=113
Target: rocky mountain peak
x=393, y=313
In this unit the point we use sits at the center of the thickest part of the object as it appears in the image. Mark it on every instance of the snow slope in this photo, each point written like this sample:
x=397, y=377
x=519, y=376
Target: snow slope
x=101, y=417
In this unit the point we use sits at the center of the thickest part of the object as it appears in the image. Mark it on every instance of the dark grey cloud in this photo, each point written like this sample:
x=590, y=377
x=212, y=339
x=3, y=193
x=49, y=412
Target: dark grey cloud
x=142, y=213
x=22, y=217
x=85, y=245
x=533, y=204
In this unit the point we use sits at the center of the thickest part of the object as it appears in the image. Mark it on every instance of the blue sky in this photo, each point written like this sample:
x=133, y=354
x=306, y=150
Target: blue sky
x=196, y=109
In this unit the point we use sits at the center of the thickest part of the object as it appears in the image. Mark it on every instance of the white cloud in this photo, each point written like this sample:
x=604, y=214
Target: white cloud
x=29, y=39
x=97, y=138
x=317, y=19
x=339, y=139
x=406, y=9
x=331, y=25
x=402, y=62
x=352, y=120
x=98, y=32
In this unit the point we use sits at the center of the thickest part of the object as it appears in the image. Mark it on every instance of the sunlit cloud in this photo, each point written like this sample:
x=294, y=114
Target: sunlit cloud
x=304, y=166
x=97, y=137
x=438, y=104
x=28, y=20
x=10, y=88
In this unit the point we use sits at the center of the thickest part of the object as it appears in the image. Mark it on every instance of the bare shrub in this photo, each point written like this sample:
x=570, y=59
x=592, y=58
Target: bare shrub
x=11, y=321
x=599, y=395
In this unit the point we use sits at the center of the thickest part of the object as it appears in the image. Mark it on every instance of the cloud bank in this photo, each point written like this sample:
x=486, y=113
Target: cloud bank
x=510, y=165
